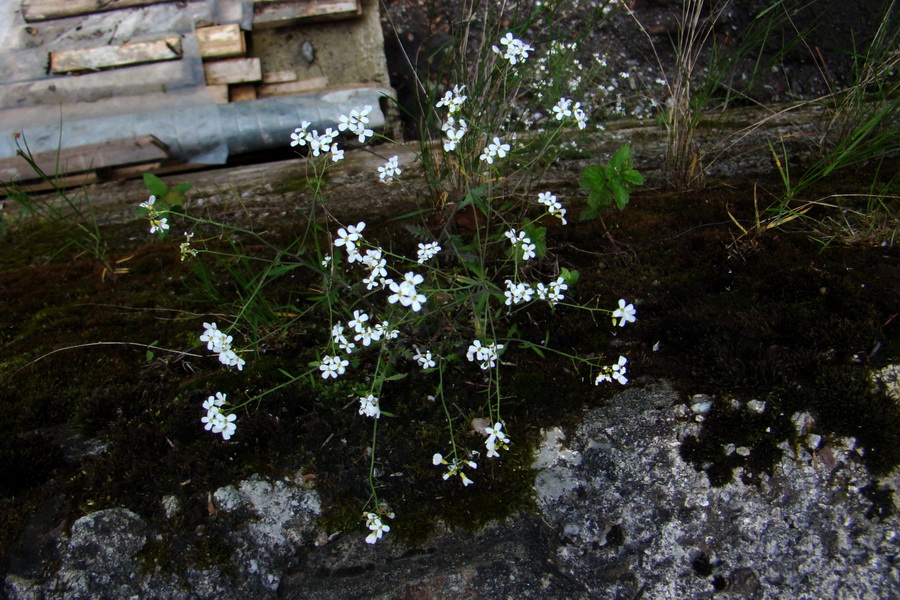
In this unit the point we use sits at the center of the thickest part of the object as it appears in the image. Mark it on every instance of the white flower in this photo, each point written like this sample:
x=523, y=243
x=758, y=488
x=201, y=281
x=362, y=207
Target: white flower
x=553, y=206
x=337, y=154
x=373, y=522
x=619, y=370
x=158, y=225
x=625, y=313
x=496, y=148
x=349, y=236
x=357, y=122
x=521, y=240
x=614, y=372
x=390, y=170
x=215, y=420
x=453, y=99
x=368, y=406
x=517, y=293
x=425, y=360
x=580, y=117
x=555, y=295
x=359, y=317
x=185, y=248
x=515, y=51
x=496, y=439
x=332, y=366
x=454, y=468
x=562, y=110
x=428, y=251
x=486, y=355
x=149, y=203
x=299, y=137
x=405, y=292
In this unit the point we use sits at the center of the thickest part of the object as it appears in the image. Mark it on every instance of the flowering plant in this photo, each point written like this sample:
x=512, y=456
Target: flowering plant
x=454, y=299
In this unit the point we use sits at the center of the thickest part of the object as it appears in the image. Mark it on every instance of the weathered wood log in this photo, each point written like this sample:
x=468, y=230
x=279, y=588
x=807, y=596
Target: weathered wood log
x=42, y=10
x=233, y=70
x=110, y=57
x=280, y=13
x=221, y=41
x=89, y=157
x=241, y=92
x=289, y=88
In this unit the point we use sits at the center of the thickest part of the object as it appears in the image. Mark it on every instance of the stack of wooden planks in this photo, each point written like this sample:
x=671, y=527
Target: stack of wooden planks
x=82, y=72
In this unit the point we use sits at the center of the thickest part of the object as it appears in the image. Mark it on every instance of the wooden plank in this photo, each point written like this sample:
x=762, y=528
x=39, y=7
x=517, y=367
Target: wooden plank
x=65, y=89
x=279, y=76
x=241, y=92
x=221, y=41
x=233, y=70
x=109, y=57
x=281, y=13
x=219, y=93
x=89, y=157
x=42, y=10
x=289, y=88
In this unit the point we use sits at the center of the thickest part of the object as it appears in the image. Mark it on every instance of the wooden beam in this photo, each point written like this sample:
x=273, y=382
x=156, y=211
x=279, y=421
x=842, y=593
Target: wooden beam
x=109, y=57
x=42, y=10
x=281, y=13
x=279, y=76
x=219, y=93
x=233, y=70
x=89, y=157
x=290, y=88
x=241, y=92
x=221, y=41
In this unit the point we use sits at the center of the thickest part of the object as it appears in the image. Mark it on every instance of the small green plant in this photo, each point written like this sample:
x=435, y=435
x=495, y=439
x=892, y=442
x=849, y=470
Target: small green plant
x=73, y=213
x=451, y=310
x=610, y=183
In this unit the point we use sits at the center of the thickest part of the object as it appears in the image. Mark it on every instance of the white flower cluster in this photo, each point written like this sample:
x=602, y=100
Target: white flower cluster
x=496, y=439
x=454, y=130
x=332, y=366
x=520, y=240
x=614, y=372
x=517, y=293
x=365, y=334
x=318, y=144
x=485, y=355
x=564, y=109
x=357, y=122
x=553, y=292
x=376, y=526
x=515, y=49
x=220, y=342
x=157, y=222
x=368, y=406
x=374, y=259
x=427, y=252
x=405, y=292
x=453, y=99
x=494, y=149
x=454, y=467
x=217, y=421
x=425, y=360
x=553, y=206
x=185, y=248
x=390, y=170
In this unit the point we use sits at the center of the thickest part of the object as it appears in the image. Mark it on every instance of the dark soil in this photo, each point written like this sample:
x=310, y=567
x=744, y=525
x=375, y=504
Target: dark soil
x=774, y=316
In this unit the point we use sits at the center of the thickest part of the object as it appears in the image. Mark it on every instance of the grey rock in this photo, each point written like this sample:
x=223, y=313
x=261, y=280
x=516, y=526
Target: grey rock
x=638, y=520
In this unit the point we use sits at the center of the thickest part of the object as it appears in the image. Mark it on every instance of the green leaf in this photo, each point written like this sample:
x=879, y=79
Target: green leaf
x=155, y=185
x=593, y=177
x=620, y=192
x=621, y=158
x=634, y=178
x=396, y=377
